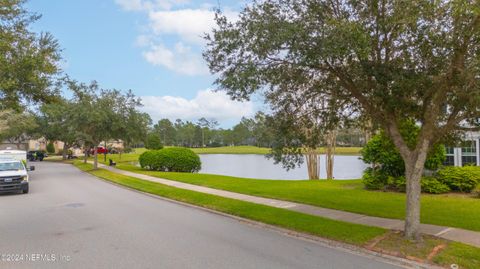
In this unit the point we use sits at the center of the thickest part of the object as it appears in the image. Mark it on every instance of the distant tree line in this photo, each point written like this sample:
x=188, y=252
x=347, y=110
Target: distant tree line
x=256, y=131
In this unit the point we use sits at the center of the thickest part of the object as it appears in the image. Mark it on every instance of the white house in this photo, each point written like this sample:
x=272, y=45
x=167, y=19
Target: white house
x=467, y=153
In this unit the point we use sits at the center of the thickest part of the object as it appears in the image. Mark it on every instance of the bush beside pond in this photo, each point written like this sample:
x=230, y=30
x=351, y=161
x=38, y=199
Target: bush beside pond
x=462, y=179
x=447, y=179
x=171, y=160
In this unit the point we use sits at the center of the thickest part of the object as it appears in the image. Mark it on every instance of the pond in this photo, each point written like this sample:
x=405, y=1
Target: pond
x=257, y=166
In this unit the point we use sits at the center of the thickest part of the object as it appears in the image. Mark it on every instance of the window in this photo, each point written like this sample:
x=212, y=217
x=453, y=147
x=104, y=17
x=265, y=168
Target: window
x=469, y=153
x=449, y=156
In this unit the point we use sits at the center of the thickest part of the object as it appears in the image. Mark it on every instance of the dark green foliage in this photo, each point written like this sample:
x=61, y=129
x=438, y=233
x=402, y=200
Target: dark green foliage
x=153, y=142
x=50, y=148
x=433, y=185
x=463, y=179
x=373, y=179
x=29, y=61
x=388, y=167
x=171, y=160
x=377, y=180
x=382, y=153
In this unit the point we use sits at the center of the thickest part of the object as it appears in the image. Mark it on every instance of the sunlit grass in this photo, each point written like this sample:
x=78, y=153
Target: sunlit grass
x=452, y=210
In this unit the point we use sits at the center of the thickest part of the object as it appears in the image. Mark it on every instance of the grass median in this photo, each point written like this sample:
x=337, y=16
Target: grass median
x=452, y=210
x=360, y=235
x=331, y=229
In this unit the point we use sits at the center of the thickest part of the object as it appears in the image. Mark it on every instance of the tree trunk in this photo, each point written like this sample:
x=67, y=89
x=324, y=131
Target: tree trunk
x=413, y=172
x=95, y=158
x=313, y=163
x=64, y=151
x=330, y=152
x=86, y=156
x=368, y=129
x=105, y=152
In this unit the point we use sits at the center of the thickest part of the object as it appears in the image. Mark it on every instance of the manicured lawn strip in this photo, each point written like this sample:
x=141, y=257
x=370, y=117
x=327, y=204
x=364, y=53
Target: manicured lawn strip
x=332, y=229
x=460, y=254
x=347, y=195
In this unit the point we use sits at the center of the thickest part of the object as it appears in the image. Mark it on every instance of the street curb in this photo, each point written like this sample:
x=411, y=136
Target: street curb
x=356, y=250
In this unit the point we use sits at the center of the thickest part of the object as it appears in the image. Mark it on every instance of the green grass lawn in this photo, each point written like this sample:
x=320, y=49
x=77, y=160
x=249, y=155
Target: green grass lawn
x=447, y=209
x=336, y=230
x=463, y=255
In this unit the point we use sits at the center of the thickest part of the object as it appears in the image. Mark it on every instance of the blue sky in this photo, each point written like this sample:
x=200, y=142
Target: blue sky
x=150, y=46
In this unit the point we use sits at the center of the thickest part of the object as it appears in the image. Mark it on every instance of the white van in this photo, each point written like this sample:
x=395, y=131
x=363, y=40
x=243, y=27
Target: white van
x=13, y=171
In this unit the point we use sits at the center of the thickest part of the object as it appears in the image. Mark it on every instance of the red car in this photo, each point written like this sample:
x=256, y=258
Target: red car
x=100, y=150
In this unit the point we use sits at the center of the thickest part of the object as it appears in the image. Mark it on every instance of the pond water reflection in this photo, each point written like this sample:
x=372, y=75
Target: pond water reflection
x=257, y=166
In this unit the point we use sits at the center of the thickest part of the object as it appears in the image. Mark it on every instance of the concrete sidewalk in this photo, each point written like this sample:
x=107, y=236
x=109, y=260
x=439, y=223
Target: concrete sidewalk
x=450, y=233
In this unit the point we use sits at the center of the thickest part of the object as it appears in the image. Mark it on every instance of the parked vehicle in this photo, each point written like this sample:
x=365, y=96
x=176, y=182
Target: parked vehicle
x=100, y=150
x=13, y=171
x=36, y=155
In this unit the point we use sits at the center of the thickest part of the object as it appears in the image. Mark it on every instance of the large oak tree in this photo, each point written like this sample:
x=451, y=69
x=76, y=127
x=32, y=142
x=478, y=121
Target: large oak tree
x=392, y=60
x=29, y=61
x=101, y=115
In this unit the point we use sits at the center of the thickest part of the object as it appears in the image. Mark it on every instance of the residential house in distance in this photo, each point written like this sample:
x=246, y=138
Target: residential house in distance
x=31, y=144
x=465, y=154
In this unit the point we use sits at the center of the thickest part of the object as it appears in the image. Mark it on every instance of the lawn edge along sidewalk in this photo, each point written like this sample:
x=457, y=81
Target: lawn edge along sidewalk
x=450, y=233
x=319, y=236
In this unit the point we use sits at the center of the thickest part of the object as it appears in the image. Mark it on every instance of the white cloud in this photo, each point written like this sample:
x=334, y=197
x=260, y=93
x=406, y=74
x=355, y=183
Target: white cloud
x=206, y=103
x=180, y=59
x=185, y=26
x=189, y=24
x=143, y=5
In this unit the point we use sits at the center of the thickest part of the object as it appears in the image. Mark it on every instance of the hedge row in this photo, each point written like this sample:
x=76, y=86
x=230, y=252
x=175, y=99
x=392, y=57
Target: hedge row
x=447, y=179
x=171, y=160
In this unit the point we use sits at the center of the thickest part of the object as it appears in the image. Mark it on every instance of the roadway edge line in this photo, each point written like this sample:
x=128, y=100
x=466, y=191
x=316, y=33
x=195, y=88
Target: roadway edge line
x=356, y=250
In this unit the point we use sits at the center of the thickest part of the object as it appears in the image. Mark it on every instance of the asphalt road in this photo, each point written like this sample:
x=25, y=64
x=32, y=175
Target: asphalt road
x=73, y=220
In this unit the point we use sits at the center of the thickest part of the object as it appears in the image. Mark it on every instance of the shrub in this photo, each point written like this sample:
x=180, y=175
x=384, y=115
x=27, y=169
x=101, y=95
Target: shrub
x=153, y=141
x=50, y=148
x=433, y=185
x=170, y=160
x=388, y=164
x=375, y=180
x=382, y=153
x=463, y=179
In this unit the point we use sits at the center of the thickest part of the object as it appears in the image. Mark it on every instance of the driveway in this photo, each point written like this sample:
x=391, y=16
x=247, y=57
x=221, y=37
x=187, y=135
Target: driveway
x=70, y=219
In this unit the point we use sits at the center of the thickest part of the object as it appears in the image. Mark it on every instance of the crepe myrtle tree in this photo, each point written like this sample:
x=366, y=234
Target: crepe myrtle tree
x=392, y=60
x=303, y=119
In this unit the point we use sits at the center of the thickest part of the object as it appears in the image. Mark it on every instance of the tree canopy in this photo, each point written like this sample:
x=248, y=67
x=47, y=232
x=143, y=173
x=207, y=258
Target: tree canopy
x=100, y=115
x=389, y=60
x=29, y=61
